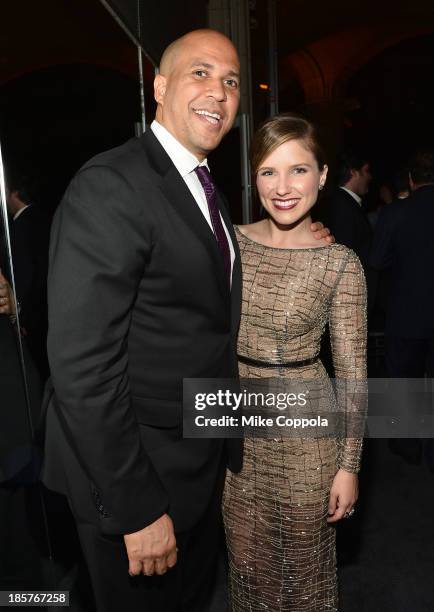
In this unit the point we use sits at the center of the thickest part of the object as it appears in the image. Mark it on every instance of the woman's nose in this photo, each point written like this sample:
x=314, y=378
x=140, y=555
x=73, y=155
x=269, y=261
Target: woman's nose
x=283, y=185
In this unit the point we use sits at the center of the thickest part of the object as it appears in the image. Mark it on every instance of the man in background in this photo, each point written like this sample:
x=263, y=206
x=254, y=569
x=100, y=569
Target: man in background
x=29, y=231
x=382, y=230
x=409, y=328
x=345, y=214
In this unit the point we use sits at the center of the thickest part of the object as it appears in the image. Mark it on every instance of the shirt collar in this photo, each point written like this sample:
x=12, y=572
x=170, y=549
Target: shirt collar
x=184, y=161
x=20, y=212
x=353, y=195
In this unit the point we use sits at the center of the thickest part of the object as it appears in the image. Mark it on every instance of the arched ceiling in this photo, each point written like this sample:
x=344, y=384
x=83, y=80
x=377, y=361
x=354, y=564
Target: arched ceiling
x=327, y=47
x=322, y=43
x=301, y=23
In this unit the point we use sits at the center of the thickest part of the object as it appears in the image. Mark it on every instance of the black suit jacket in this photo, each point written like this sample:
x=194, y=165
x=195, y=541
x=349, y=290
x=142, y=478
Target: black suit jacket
x=19, y=459
x=403, y=246
x=137, y=301
x=29, y=242
x=15, y=432
x=349, y=224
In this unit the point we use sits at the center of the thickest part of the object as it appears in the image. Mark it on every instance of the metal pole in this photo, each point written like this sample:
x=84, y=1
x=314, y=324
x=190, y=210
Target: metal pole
x=4, y=217
x=142, y=90
x=140, y=51
x=272, y=60
x=232, y=17
x=141, y=81
x=12, y=282
x=127, y=31
x=245, y=168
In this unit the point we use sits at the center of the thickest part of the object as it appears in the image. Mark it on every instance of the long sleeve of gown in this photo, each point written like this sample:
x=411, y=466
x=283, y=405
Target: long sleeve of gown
x=348, y=334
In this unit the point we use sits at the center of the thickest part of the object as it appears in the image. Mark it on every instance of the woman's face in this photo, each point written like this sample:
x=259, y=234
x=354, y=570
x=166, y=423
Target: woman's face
x=287, y=182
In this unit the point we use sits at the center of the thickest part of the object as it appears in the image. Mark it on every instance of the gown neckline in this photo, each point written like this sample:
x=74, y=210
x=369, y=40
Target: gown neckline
x=266, y=246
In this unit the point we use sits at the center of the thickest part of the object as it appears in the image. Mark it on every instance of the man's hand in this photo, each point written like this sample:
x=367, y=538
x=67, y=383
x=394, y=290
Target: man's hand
x=7, y=302
x=152, y=550
x=319, y=231
x=343, y=495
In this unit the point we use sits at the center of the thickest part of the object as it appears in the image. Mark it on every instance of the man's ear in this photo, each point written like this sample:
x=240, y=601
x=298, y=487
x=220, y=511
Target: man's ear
x=159, y=88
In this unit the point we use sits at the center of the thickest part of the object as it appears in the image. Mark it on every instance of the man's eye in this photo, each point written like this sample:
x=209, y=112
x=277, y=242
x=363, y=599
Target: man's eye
x=200, y=73
x=231, y=83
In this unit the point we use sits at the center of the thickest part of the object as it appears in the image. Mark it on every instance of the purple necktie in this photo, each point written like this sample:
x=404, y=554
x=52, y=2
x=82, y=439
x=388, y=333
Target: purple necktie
x=219, y=232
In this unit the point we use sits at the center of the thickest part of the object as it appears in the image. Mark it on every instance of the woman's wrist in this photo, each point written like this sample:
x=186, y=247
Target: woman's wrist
x=348, y=471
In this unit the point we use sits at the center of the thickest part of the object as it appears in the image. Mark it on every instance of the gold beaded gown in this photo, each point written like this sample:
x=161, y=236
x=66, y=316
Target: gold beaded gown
x=282, y=553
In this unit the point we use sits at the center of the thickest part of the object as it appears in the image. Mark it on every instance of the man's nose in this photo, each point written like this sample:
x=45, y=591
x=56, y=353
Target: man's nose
x=217, y=90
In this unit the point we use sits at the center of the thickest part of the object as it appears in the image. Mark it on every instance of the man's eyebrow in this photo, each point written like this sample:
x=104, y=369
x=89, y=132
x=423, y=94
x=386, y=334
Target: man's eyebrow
x=201, y=64
x=196, y=63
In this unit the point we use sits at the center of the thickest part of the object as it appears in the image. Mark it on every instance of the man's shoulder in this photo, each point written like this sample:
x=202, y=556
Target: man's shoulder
x=423, y=196
x=118, y=158
x=392, y=211
x=131, y=172
x=339, y=193
x=341, y=204
x=138, y=156
x=34, y=211
x=340, y=197
x=33, y=221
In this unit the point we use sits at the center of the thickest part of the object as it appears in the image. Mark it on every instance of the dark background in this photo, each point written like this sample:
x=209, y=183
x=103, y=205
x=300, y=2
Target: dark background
x=69, y=84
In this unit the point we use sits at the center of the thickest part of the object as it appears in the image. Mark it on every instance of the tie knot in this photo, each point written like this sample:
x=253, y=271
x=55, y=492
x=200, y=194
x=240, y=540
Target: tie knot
x=205, y=178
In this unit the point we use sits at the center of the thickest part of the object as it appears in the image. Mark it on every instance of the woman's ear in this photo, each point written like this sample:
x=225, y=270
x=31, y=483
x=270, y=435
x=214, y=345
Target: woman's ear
x=323, y=176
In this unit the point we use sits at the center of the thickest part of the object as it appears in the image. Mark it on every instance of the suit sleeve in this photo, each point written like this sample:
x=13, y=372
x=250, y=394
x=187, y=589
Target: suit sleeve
x=99, y=246
x=23, y=261
x=382, y=244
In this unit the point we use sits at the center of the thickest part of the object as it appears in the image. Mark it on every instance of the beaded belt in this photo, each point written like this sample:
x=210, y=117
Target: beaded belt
x=270, y=364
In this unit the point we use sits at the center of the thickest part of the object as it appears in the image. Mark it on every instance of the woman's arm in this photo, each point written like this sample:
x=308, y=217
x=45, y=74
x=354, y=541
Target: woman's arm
x=348, y=334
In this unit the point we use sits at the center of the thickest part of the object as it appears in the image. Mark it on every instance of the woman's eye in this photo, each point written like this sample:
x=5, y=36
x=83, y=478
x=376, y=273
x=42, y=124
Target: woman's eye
x=266, y=173
x=300, y=170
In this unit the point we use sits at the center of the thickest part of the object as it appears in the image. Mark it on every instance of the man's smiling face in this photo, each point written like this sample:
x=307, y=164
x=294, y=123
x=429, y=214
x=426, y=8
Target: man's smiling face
x=198, y=95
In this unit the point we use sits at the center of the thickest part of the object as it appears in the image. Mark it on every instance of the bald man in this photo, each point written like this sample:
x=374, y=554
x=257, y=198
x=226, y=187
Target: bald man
x=145, y=290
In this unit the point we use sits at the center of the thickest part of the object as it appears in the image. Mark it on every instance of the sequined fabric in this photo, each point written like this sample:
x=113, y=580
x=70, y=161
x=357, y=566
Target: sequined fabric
x=282, y=554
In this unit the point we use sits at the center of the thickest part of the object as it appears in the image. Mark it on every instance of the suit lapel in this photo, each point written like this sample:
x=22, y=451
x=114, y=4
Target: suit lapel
x=236, y=270
x=179, y=197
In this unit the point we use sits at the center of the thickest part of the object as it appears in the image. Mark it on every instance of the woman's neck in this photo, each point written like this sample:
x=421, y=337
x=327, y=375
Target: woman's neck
x=290, y=236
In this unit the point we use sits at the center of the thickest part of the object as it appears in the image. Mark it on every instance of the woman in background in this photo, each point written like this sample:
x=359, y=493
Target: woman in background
x=280, y=509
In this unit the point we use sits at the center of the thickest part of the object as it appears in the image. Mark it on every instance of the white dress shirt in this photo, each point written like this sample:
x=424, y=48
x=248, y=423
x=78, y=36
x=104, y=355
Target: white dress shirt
x=353, y=195
x=185, y=162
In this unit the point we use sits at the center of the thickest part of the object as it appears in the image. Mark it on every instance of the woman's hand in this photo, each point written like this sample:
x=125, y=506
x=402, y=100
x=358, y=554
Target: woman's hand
x=343, y=495
x=7, y=302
